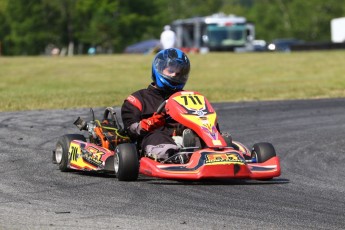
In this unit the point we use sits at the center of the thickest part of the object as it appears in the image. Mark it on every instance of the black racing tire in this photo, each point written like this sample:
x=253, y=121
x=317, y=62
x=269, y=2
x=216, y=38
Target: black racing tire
x=263, y=151
x=126, y=162
x=62, y=147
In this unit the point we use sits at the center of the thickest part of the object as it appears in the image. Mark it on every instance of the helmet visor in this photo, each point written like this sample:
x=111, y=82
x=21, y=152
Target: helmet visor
x=174, y=70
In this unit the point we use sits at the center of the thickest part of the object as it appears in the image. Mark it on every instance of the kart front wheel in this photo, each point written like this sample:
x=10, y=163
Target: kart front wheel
x=126, y=162
x=263, y=151
x=60, y=155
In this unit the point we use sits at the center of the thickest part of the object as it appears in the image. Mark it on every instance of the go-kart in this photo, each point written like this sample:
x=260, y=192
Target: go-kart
x=205, y=152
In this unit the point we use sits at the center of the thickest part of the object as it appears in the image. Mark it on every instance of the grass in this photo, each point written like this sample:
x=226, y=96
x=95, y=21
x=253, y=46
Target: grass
x=30, y=83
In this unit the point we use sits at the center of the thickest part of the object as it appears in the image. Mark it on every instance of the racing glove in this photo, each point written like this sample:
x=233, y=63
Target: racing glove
x=152, y=123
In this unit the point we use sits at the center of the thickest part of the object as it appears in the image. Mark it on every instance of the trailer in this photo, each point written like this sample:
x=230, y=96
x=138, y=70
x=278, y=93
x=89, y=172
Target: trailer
x=338, y=30
x=217, y=32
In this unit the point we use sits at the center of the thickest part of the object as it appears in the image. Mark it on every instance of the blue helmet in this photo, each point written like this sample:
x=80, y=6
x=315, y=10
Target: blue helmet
x=170, y=69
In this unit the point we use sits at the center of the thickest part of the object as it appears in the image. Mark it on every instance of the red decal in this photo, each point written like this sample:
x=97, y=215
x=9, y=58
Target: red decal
x=134, y=101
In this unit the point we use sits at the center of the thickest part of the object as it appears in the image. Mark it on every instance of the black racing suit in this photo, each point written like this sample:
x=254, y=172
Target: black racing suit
x=141, y=105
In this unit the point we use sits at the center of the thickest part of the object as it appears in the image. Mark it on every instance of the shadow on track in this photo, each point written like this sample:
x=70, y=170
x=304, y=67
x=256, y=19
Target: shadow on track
x=208, y=182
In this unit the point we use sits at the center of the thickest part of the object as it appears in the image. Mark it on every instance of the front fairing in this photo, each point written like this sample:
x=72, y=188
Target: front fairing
x=210, y=164
x=193, y=110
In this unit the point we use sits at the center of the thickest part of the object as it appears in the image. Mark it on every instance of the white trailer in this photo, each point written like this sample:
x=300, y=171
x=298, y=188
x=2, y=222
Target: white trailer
x=338, y=30
x=218, y=32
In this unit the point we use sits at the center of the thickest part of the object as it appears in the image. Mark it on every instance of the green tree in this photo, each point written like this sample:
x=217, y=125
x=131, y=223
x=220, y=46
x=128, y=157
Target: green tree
x=32, y=26
x=137, y=20
x=4, y=27
x=307, y=20
x=97, y=23
x=314, y=24
x=29, y=26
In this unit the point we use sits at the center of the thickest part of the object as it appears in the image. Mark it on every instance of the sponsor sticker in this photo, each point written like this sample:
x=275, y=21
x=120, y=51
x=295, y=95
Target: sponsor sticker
x=224, y=158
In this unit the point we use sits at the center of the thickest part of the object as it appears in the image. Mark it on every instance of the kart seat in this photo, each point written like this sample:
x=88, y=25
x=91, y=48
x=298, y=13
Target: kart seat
x=188, y=138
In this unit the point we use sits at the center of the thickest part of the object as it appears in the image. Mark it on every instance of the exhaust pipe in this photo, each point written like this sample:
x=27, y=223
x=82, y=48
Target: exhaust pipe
x=81, y=124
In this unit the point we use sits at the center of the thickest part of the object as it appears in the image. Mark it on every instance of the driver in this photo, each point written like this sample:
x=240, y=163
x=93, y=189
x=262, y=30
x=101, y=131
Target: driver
x=170, y=71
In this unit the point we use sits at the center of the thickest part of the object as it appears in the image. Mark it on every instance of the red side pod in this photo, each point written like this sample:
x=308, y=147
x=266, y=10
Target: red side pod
x=90, y=157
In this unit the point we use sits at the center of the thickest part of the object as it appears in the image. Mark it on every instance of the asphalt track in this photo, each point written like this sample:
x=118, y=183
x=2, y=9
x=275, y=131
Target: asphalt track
x=309, y=136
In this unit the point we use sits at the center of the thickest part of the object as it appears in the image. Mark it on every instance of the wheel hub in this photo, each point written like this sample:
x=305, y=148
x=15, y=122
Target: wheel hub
x=58, y=154
x=116, y=163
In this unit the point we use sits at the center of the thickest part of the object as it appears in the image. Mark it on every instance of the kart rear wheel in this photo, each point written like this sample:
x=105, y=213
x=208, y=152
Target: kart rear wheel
x=263, y=151
x=126, y=162
x=60, y=155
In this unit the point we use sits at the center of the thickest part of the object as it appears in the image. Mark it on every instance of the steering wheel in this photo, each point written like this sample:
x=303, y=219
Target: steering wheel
x=161, y=107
